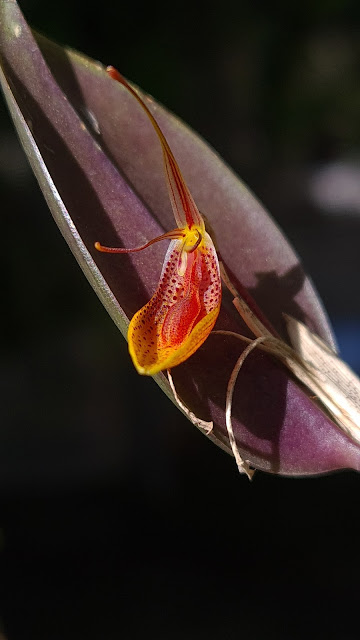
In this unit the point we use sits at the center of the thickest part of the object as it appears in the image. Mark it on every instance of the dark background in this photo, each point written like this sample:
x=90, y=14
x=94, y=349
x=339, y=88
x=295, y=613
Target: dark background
x=117, y=518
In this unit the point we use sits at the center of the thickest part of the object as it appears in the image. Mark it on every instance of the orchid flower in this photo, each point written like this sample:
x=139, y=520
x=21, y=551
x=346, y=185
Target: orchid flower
x=295, y=410
x=183, y=310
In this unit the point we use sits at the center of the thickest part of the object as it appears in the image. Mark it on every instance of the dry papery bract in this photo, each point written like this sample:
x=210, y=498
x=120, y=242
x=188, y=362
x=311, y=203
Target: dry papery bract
x=312, y=362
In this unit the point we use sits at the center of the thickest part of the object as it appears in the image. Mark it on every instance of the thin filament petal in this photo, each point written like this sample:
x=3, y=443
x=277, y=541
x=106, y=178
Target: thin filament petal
x=184, y=207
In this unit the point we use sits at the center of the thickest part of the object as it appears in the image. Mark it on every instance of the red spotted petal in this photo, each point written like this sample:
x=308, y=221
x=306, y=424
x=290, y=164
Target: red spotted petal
x=181, y=313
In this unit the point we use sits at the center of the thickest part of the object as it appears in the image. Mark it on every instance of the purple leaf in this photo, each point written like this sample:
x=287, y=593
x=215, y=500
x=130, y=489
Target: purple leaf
x=99, y=164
